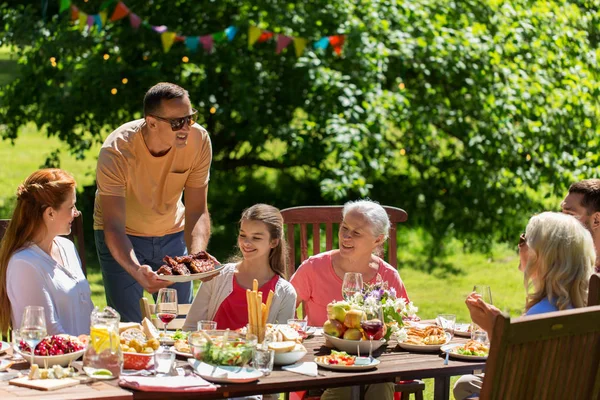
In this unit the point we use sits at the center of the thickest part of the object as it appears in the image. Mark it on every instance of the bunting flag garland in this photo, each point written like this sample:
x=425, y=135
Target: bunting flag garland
x=120, y=12
x=134, y=20
x=282, y=42
x=255, y=34
x=167, y=40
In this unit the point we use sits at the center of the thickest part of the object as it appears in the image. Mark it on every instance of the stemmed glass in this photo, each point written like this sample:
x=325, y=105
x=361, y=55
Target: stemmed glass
x=33, y=327
x=373, y=325
x=477, y=333
x=166, y=308
x=353, y=282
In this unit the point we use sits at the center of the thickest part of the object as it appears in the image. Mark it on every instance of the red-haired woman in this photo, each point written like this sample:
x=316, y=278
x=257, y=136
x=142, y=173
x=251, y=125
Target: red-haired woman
x=39, y=267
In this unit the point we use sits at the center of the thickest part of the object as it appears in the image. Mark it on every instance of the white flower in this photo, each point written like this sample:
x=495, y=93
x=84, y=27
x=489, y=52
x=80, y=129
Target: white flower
x=400, y=334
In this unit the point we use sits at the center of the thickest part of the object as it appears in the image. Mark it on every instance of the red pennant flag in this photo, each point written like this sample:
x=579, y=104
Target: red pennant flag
x=265, y=36
x=134, y=20
x=282, y=42
x=180, y=38
x=207, y=43
x=337, y=42
x=121, y=11
x=74, y=13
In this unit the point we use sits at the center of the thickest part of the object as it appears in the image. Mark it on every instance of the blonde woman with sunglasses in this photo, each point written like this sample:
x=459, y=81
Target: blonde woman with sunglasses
x=557, y=257
x=144, y=166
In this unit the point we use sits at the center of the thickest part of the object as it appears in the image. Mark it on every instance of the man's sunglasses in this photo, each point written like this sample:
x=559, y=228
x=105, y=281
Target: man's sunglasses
x=177, y=124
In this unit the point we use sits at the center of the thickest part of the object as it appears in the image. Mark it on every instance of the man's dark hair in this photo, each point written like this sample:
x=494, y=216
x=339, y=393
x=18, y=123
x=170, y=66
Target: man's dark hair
x=159, y=92
x=590, y=189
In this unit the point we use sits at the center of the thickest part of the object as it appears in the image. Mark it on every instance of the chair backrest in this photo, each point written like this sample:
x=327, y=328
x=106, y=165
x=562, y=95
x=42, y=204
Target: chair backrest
x=148, y=311
x=546, y=356
x=76, y=236
x=328, y=215
x=594, y=290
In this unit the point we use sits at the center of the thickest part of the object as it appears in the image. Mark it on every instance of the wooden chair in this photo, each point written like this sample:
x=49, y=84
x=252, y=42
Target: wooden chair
x=547, y=356
x=148, y=311
x=76, y=236
x=328, y=215
x=594, y=290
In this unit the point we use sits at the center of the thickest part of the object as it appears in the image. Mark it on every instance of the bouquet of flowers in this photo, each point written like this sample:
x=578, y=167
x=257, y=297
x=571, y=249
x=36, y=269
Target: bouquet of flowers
x=394, y=309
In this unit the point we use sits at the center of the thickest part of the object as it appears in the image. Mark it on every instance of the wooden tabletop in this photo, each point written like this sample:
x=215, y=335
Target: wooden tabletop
x=395, y=364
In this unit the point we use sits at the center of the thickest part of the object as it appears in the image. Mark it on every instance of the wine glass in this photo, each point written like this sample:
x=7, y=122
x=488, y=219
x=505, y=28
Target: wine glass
x=477, y=333
x=353, y=282
x=373, y=325
x=33, y=327
x=166, y=308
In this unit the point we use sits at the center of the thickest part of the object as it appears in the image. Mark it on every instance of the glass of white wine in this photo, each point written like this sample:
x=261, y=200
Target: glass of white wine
x=33, y=327
x=353, y=283
x=477, y=333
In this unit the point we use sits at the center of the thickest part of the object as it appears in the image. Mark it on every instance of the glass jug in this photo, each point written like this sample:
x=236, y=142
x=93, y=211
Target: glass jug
x=103, y=352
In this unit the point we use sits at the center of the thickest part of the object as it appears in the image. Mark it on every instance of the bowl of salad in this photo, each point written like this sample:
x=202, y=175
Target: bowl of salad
x=222, y=347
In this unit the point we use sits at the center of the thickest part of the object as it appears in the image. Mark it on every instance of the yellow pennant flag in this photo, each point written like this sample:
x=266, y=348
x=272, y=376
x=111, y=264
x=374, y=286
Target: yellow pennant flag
x=299, y=45
x=103, y=16
x=253, y=35
x=167, y=40
x=82, y=20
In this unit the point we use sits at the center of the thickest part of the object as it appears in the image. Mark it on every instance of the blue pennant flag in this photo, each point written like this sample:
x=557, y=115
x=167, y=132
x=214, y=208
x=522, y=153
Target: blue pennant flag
x=191, y=42
x=230, y=32
x=322, y=43
x=98, y=21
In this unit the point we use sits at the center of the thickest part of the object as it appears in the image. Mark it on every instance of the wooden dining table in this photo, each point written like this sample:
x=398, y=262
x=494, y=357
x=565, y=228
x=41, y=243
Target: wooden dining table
x=395, y=364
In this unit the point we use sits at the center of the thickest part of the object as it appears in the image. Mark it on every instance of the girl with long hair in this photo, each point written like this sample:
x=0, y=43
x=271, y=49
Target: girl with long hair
x=39, y=267
x=263, y=257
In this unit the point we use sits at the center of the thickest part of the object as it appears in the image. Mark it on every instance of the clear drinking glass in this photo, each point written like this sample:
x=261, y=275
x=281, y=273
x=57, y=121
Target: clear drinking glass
x=166, y=308
x=263, y=360
x=163, y=361
x=353, y=282
x=447, y=322
x=15, y=337
x=205, y=325
x=33, y=327
x=477, y=333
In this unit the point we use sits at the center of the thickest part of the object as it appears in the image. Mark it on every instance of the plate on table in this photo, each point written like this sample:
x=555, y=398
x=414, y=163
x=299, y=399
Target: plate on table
x=4, y=346
x=224, y=374
x=310, y=331
x=350, y=346
x=451, y=348
x=462, y=330
x=191, y=277
x=322, y=361
x=179, y=353
x=43, y=361
x=426, y=348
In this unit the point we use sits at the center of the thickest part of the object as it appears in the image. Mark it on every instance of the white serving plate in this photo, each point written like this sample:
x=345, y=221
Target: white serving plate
x=179, y=353
x=224, y=374
x=191, y=277
x=289, y=358
x=350, y=346
x=425, y=348
x=449, y=347
x=43, y=361
x=462, y=330
x=322, y=363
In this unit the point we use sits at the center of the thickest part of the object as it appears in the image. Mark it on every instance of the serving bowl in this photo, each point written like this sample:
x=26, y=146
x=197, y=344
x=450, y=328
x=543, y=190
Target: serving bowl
x=137, y=361
x=289, y=357
x=63, y=360
x=222, y=347
x=353, y=346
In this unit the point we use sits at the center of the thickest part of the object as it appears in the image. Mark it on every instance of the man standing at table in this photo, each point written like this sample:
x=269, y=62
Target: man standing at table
x=583, y=202
x=139, y=217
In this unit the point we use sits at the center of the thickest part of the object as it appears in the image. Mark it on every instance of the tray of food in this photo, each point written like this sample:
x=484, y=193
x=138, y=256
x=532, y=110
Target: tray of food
x=188, y=268
x=428, y=339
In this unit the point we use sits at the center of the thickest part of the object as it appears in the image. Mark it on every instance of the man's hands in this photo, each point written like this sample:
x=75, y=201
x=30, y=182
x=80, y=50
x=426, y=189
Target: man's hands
x=482, y=314
x=149, y=279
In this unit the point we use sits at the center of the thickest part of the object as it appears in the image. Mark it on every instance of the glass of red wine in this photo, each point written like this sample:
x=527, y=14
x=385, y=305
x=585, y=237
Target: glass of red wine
x=166, y=308
x=373, y=326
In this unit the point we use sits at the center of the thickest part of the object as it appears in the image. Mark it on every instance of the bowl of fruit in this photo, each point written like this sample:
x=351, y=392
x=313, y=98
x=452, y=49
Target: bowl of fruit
x=352, y=330
x=222, y=347
x=53, y=350
x=138, y=353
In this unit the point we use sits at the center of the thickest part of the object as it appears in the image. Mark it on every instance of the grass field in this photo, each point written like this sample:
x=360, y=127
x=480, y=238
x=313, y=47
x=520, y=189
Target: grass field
x=439, y=288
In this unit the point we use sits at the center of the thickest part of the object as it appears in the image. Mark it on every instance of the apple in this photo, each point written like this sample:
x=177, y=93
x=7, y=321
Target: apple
x=353, y=318
x=353, y=334
x=339, y=310
x=334, y=328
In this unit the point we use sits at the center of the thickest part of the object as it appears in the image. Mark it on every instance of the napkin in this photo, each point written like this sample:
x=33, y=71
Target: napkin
x=167, y=384
x=304, y=368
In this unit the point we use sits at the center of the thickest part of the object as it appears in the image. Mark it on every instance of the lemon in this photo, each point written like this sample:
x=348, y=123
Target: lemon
x=100, y=339
x=102, y=372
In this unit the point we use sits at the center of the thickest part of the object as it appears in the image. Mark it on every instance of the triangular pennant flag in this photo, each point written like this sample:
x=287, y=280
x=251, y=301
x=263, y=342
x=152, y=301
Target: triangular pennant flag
x=180, y=38
x=103, y=16
x=90, y=21
x=98, y=21
x=160, y=29
x=120, y=12
x=82, y=20
x=219, y=37
x=253, y=35
x=230, y=32
x=191, y=42
x=322, y=43
x=167, y=40
x=266, y=35
x=74, y=13
x=282, y=42
x=207, y=43
x=64, y=5
x=337, y=42
x=134, y=20
x=299, y=45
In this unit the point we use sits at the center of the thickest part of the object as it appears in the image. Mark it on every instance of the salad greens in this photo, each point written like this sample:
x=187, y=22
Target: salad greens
x=236, y=353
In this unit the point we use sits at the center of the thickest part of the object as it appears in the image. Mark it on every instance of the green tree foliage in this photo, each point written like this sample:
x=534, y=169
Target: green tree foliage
x=461, y=112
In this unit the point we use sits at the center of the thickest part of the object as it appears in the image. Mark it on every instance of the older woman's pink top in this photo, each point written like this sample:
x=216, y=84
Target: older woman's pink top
x=317, y=285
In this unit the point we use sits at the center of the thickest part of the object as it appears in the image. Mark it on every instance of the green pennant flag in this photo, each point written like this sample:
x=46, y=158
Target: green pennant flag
x=219, y=37
x=64, y=5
